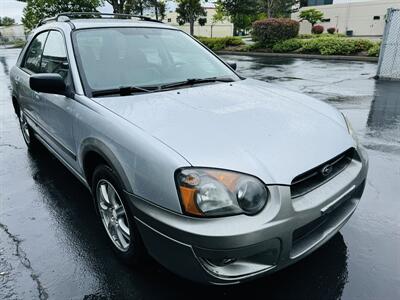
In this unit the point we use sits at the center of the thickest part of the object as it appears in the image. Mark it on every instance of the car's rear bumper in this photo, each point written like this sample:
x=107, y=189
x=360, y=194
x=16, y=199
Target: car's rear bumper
x=286, y=231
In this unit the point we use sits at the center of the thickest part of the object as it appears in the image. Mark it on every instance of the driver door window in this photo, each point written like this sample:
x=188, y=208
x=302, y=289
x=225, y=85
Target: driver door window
x=34, y=53
x=54, y=59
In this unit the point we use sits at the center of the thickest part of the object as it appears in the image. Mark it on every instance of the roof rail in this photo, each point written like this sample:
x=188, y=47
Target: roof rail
x=68, y=16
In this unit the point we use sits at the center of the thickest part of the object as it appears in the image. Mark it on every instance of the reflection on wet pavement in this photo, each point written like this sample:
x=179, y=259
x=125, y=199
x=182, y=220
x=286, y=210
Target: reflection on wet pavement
x=48, y=215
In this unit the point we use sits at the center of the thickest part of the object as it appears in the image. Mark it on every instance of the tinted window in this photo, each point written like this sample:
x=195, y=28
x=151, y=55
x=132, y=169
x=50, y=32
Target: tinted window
x=34, y=53
x=54, y=59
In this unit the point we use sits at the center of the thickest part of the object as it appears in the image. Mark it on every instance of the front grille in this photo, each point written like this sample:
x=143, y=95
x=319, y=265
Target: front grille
x=317, y=176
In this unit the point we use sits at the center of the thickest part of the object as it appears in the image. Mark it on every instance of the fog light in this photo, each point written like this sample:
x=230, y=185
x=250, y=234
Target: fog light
x=220, y=262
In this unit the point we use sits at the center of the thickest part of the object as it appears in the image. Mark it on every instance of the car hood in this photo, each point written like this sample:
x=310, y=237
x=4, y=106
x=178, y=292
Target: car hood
x=247, y=126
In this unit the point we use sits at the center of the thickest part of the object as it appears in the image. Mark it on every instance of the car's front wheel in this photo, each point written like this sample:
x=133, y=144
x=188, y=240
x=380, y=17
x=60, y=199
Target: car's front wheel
x=116, y=217
x=27, y=132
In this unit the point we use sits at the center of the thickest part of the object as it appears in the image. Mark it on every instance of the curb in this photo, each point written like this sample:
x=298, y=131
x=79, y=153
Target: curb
x=304, y=56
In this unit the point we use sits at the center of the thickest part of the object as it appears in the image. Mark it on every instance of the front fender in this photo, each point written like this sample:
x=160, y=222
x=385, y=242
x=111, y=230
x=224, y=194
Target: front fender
x=95, y=145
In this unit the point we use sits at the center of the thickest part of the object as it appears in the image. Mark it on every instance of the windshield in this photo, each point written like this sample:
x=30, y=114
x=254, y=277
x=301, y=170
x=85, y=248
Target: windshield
x=112, y=58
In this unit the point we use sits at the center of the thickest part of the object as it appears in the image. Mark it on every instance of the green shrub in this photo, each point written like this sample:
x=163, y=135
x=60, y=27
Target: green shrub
x=335, y=46
x=288, y=46
x=270, y=31
x=310, y=46
x=363, y=45
x=306, y=36
x=317, y=36
x=374, y=50
x=217, y=44
x=327, y=46
x=19, y=43
x=324, y=44
x=252, y=47
x=234, y=41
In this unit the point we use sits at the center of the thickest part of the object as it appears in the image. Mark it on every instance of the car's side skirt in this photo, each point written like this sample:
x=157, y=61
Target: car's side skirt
x=62, y=160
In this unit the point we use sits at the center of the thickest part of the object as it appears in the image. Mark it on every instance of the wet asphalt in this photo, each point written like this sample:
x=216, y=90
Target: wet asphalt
x=53, y=246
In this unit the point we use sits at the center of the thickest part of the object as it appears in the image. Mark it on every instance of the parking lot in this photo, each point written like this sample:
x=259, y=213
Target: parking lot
x=53, y=246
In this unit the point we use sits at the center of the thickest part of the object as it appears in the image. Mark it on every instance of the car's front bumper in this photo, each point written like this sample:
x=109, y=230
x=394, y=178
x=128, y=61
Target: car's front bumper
x=286, y=231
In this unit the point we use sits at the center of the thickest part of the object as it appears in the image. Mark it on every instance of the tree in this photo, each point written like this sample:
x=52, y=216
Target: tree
x=188, y=11
x=202, y=21
x=7, y=21
x=162, y=9
x=244, y=12
x=311, y=15
x=159, y=8
x=118, y=5
x=36, y=10
x=241, y=12
x=278, y=8
x=136, y=7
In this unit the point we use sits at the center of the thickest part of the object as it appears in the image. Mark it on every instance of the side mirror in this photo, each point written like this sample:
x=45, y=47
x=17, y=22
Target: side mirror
x=48, y=83
x=233, y=65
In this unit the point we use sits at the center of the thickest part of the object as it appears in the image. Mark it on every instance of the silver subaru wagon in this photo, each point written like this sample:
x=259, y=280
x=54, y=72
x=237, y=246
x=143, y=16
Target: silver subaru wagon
x=220, y=178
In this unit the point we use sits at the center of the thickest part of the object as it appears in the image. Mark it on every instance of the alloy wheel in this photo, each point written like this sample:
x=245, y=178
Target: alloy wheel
x=113, y=215
x=24, y=128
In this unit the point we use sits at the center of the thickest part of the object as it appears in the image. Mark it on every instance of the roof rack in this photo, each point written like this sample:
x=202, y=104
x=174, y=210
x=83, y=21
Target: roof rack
x=68, y=16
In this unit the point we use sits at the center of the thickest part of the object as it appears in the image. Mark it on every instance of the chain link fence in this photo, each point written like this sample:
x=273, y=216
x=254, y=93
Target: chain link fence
x=389, y=59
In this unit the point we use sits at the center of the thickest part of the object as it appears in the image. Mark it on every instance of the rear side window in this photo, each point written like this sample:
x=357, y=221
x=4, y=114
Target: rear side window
x=34, y=53
x=54, y=59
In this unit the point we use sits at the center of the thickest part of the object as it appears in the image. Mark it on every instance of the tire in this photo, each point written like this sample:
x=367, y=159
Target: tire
x=116, y=217
x=27, y=133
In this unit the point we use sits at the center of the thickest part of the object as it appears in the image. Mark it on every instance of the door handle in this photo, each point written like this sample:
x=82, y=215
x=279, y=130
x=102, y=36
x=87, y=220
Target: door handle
x=36, y=96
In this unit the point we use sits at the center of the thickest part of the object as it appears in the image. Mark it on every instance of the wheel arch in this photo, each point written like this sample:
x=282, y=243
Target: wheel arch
x=16, y=105
x=94, y=153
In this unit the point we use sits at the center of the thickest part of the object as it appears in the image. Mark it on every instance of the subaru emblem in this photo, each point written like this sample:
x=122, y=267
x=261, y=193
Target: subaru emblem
x=327, y=170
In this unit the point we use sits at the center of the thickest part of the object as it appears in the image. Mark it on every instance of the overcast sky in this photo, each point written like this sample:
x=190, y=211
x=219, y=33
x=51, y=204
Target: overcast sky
x=13, y=8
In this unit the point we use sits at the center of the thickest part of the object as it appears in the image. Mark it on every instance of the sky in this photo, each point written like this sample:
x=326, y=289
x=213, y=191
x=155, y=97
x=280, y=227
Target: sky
x=14, y=8
x=11, y=8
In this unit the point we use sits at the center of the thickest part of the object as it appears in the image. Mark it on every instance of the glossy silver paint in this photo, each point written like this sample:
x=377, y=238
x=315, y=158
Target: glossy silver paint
x=246, y=126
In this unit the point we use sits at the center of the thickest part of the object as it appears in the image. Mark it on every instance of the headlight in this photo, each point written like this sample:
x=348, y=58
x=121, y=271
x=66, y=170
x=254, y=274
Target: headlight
x=350, y=129
x=211, y=192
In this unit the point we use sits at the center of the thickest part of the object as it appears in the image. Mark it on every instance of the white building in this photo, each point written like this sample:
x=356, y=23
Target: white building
x=361, y=18
x=210, y=29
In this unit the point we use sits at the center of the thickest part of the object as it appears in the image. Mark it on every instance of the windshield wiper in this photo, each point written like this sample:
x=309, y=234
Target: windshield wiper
x=123, y=91
x=192, y=81
x=129, y=90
